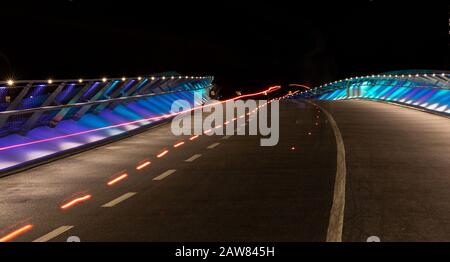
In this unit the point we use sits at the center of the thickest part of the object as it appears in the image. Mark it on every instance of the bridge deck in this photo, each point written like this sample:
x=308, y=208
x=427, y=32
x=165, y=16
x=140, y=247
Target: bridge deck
x=397, y=181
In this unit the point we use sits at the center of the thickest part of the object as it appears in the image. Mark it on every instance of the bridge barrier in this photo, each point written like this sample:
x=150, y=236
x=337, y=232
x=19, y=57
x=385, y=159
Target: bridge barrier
x=42, y=119
x=426, y=90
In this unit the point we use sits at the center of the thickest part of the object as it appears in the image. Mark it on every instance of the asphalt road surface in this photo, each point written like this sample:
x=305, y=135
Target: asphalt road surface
x=229, y=188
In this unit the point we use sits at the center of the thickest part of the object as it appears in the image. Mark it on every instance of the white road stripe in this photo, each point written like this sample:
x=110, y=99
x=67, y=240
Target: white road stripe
x=226, y=137
x=165, y=174
x=53, y=234
x=119, y=199
x=192, y=158
x=213, y=145
x=336, y=222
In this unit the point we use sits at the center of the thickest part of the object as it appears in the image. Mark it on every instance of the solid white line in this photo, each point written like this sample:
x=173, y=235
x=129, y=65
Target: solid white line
x=213, y=145
x=165, y=174
x=192, y=158
x=119, y=199
x=53, y=234
x=226, y=137
x=336, y=222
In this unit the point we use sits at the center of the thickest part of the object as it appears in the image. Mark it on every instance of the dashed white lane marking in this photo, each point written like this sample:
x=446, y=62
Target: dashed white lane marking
x=192, y=158
x=165, y=174
x=213, y=145
x=119, y=199
x=226, y=137
x=336, y=222
x=53, y=234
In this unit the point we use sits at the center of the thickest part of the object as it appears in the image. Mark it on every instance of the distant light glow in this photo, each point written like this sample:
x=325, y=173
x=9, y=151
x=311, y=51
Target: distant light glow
x=300, y=85
x=10, y=82
x=193, y=137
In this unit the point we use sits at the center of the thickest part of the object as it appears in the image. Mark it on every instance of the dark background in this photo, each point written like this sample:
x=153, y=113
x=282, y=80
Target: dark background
x=245, y=45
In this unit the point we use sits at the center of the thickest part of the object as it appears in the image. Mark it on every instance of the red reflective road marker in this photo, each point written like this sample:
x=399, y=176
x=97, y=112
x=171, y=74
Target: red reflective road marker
x=178, y=144
x=193, y=137
x=115, y=180
x=76, y=201
x=144, y=164
x=163, y=153
x=16, y=233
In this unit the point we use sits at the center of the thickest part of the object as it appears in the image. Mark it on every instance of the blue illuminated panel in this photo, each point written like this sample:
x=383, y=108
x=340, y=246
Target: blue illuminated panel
x=401, y=92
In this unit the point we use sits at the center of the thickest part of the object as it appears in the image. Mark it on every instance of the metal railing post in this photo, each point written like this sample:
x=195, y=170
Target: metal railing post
x=15, y=103
x=29, y=124
x=86, y=108
x=63, y=112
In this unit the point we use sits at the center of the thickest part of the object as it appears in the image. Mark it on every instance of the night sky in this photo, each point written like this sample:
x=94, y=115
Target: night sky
x=245, y=45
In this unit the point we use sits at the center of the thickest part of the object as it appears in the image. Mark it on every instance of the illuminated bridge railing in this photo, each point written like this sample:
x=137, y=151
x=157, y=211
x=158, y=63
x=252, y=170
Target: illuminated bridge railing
x=41, y=120
x=427, y=90
x=25, y=105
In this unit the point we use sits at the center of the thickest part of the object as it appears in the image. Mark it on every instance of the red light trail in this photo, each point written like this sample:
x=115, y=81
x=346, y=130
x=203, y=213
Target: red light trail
x=271, y=89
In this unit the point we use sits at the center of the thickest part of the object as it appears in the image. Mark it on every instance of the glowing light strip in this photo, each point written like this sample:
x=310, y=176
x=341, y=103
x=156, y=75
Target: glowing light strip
x=193, y=137
x=299, y=85
x=271, y=89
x=115, y=180
x=76, y=201
x=16, y=233
x=141, y=166
x=163, y=153
x=178, y=144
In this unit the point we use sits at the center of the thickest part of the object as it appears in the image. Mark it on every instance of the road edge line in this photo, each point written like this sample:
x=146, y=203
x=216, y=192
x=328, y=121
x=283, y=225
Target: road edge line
x=336, y=222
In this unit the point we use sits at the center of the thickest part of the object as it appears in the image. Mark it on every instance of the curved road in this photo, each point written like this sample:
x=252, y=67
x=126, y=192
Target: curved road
x=218, y=188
